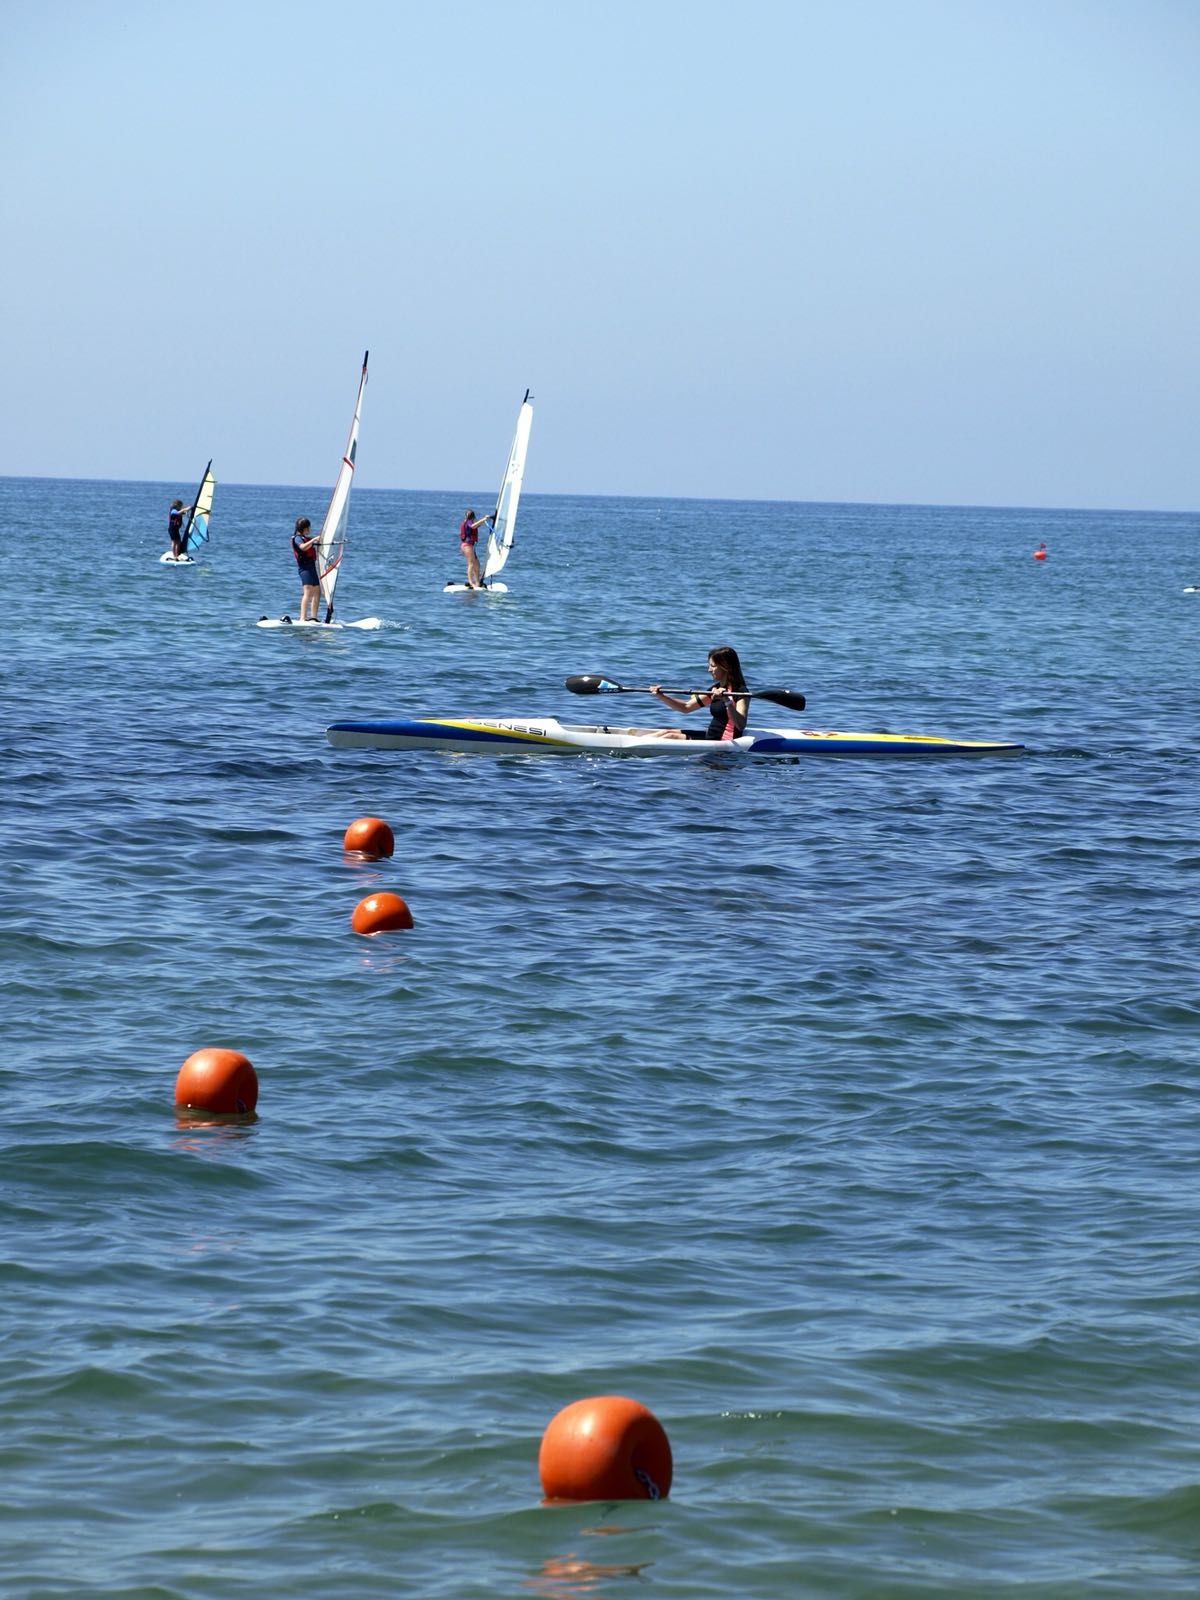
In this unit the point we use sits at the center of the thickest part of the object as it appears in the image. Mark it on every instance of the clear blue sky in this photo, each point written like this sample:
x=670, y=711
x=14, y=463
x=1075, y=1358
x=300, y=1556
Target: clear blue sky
x=885, y=250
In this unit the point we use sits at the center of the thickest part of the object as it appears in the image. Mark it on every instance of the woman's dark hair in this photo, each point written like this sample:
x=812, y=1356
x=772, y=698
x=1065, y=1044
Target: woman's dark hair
x=726, y=658
x=302, y=524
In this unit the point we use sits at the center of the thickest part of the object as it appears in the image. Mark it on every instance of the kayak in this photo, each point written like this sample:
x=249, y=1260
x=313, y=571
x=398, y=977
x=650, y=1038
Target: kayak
x=500, y=736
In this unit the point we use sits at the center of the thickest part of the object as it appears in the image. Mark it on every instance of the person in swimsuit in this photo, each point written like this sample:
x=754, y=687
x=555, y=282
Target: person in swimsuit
x=727, y=707
x=304, y=548
x=468, y=537
x=175, y=520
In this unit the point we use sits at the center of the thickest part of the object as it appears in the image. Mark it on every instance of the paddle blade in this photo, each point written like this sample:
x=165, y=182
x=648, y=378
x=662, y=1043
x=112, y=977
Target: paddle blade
x=589, y=683
x=782, y=697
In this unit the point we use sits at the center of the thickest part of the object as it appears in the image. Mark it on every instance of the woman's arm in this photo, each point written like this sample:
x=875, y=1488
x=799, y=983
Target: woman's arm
x=689, y=704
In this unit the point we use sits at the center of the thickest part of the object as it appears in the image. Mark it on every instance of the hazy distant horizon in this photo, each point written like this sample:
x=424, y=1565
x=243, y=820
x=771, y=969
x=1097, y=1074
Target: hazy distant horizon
x=174, y=484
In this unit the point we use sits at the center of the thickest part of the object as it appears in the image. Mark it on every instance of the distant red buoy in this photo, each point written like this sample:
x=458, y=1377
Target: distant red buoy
x=605, y=1448
x=380, y=913
x=369, y=836
x=1040, y=553
x=217, y=1080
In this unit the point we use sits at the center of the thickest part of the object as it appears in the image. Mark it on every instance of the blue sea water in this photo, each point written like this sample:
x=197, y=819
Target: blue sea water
x=845, y=1113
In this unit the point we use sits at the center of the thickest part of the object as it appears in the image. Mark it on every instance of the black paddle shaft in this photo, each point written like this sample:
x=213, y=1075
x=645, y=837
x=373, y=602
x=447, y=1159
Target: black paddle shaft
x=594, y=683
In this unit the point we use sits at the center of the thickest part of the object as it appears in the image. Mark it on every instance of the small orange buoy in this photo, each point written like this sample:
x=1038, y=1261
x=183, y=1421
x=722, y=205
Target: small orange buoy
x=369, y=836
x=1040, y=553
x=605, y=1448
x=379, y=913
x=217, y=1080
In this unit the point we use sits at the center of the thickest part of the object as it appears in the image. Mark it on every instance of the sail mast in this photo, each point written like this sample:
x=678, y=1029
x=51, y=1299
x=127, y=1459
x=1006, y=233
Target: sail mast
x=196, y=498
x=332, y=539
x=504, y=518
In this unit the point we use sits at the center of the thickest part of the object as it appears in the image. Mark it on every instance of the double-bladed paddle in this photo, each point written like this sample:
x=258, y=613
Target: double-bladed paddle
x=591, y=683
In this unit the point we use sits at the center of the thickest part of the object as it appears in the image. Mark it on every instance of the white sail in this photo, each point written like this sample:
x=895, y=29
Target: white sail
x=505, y=525
x=332, y=541
x=196, y=532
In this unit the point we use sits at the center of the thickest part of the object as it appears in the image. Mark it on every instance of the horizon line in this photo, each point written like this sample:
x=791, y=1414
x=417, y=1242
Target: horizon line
x=768, y=500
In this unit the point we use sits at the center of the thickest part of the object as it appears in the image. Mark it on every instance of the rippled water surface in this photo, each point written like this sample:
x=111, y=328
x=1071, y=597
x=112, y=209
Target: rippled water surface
x=843, y=1112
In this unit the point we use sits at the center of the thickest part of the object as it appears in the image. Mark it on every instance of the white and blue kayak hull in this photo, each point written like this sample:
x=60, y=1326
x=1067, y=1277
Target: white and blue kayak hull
x=499, y=736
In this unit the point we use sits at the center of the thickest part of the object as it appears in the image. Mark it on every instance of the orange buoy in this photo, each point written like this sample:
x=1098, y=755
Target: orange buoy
x=379, y=913
x=605, y=1448
x=369, y=836
x=217, y=1080
x=1040, y=553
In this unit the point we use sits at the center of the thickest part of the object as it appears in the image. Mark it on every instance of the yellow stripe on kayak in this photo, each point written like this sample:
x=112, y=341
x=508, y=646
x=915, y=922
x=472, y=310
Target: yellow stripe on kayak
x=497, y=731
x=898, y=738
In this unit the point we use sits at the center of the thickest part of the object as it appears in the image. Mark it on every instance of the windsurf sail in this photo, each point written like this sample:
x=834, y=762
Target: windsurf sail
x=196, y=532
x=331, y=543
x=505, y=517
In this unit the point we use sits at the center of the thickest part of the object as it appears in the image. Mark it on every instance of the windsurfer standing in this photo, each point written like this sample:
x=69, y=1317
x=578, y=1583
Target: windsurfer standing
x=728, y=709
x=304, y=548
x=175, y=519
x=468, y=536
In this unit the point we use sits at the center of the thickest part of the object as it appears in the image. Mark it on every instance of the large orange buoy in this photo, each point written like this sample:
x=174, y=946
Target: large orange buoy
x=217, y=1080
x=605, y=1448
x=369, y=836
x=379, y=913
x=1040, y=553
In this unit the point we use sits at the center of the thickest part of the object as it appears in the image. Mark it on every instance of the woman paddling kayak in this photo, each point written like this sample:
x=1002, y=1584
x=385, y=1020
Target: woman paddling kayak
x=727, y=703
